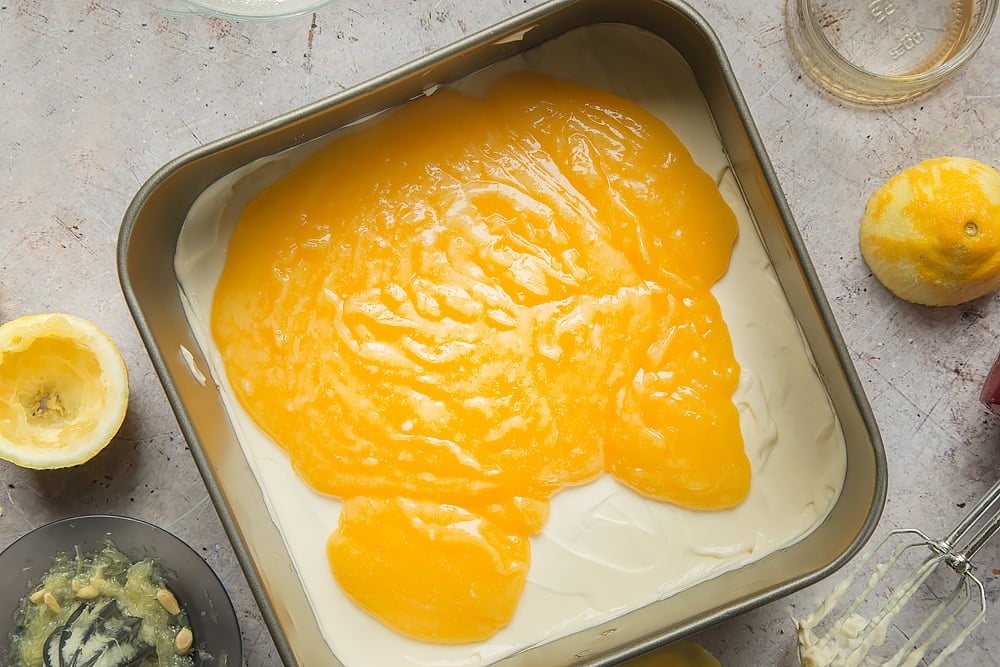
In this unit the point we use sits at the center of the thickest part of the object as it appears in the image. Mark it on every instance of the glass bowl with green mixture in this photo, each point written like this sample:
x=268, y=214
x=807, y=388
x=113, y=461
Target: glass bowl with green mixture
x=112, y=591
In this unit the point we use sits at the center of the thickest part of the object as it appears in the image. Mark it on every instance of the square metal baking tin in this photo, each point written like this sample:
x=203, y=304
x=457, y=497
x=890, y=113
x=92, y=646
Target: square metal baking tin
x=146, y=249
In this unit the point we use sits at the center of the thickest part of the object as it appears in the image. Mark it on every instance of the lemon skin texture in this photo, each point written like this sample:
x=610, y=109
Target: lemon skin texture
x=931, y=233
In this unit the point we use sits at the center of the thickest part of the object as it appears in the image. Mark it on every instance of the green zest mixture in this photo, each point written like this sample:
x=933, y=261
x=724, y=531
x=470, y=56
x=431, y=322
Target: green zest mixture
x=102, y=610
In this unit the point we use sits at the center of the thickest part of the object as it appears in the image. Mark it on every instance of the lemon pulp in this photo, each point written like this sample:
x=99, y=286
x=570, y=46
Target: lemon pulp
x=63, y=390
x=113, y=576
x=448, y=316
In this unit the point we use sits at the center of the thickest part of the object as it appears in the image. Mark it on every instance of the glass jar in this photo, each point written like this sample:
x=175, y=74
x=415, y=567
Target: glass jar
x=253, y=10
x=886, y=51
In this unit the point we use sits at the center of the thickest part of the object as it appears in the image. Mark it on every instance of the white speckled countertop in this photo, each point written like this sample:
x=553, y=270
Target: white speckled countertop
x=95, y=96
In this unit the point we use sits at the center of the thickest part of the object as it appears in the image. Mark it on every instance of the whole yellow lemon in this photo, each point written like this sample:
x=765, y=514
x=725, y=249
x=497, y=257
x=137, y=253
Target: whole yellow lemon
x=931, y=233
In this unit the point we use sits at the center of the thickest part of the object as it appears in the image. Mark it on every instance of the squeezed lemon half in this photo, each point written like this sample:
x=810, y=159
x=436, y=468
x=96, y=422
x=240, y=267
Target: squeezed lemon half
x=680, y=654
x=931, y=233
x=63, y=391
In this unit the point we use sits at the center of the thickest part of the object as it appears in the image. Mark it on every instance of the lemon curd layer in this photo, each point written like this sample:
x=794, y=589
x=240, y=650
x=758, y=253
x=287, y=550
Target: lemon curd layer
x=450, y=315
x=597, y=548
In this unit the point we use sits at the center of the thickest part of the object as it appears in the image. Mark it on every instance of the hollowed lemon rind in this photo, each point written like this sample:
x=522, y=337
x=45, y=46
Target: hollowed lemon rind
x=63, y=391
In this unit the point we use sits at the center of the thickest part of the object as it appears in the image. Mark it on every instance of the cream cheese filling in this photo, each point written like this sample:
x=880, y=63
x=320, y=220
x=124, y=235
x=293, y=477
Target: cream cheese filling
x=605, y=550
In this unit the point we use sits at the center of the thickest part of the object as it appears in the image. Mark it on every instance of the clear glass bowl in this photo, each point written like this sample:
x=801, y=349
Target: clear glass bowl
x=209, y=609
x=255, y=9
x=886, y=51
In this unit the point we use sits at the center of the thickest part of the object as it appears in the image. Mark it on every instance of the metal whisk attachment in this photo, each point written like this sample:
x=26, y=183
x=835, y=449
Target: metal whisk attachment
x=908, y=577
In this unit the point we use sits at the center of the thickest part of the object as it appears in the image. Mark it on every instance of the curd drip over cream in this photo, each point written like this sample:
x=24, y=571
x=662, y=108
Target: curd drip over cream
x=451, y=314
x=602, y=549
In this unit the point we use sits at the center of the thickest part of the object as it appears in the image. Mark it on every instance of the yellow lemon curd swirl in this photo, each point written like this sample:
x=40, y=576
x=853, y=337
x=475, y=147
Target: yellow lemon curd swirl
x=449, y=315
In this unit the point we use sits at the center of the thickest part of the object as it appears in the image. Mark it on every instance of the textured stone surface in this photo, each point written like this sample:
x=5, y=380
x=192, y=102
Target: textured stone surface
x=95, y=96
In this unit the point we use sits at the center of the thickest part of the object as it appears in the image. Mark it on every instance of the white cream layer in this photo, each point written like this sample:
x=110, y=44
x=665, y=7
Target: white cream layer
x=605, y=550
